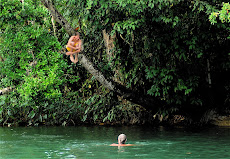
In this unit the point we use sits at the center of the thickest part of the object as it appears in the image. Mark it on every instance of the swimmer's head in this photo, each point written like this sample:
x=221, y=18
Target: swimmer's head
x=122, y=139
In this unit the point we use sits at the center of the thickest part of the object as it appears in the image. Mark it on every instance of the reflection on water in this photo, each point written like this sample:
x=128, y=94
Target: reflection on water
x=93, y=142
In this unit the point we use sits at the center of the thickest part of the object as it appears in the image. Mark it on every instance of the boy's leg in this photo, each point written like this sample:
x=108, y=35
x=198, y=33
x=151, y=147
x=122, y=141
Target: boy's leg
x=71, y=53
x=76, y=58
x=69, y=49
x=71, y=58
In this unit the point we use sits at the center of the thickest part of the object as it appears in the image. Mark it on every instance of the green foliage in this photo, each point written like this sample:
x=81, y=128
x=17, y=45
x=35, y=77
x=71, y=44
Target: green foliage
x=223, y=14
x=33, y=64
x=162, y=49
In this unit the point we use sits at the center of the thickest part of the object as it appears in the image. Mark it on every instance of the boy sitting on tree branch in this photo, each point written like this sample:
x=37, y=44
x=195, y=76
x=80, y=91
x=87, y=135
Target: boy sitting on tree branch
x=74, y=46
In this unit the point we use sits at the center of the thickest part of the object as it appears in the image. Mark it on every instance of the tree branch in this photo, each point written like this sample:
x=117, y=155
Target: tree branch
x=6, y=90
x=58, y=17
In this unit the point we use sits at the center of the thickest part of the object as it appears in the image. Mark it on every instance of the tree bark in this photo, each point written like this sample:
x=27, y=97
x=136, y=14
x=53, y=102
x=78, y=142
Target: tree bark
x=58, y=17
x=1, y=59
x=147, y=102
x=97, y=74
x=109, y=45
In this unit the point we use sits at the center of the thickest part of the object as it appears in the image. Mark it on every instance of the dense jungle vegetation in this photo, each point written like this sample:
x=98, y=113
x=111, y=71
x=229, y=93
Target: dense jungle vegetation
x=175, y=52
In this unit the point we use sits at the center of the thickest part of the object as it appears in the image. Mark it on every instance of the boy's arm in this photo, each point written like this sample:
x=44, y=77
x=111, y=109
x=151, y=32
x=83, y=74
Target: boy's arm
x=69, y=43
x=71, y=53
x=78, y=47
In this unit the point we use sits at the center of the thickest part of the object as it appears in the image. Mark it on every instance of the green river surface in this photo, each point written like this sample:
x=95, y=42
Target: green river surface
x=93, y=142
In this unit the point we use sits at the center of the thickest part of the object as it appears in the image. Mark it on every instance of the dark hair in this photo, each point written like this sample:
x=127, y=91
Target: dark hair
x=77, y=33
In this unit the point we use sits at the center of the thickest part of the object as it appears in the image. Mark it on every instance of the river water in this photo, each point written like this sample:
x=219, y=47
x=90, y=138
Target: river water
x=93, y=142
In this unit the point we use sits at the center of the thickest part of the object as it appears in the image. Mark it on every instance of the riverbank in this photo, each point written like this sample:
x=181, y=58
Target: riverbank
x=158, y=120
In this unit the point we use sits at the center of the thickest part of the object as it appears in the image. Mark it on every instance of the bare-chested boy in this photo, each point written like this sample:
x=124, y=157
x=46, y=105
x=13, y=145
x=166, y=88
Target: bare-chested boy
x=74, y=47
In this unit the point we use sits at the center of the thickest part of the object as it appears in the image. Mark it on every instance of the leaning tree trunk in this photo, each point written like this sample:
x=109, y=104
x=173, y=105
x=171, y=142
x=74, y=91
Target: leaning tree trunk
x=145, y=101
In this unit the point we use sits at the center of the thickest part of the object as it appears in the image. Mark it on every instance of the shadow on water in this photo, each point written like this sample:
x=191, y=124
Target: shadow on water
x=94, y=141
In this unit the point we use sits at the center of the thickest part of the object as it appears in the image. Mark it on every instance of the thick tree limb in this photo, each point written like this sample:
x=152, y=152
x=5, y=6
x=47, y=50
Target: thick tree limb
x=58, y=17
x=97, y=74
x=146, y=101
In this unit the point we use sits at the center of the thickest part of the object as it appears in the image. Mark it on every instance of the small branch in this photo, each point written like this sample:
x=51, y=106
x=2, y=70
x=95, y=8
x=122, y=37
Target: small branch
x=6, y=90
x=30, y=69
x=124, y=39
x=1, y=59
x=209, y=74
x=22, y=4
x=54, y=27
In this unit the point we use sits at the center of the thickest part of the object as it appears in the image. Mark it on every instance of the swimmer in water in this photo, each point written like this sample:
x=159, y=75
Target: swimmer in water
x=121, y=141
